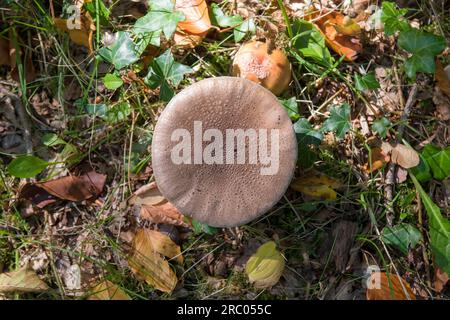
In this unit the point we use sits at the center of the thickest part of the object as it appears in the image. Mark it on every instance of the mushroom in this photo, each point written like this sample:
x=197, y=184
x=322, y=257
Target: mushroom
x=258, y=62
x=210, y=174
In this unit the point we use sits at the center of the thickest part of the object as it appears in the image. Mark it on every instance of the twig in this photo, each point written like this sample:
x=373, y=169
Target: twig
x=21, y=112
x=390, y=173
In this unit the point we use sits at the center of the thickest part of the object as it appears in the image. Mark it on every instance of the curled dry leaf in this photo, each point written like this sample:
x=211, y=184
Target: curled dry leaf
x=341, y=33
x=150, y=265
x=80, y=33
x=106, y=290
x=382, y=286
x=441, y=279
x=191, y=31
x=147, y=194
x=72, y=188
x=317, y=185
x=21, y=280
x=377, y=160
x=402, y=155
x=266, y=266
x=442, y=77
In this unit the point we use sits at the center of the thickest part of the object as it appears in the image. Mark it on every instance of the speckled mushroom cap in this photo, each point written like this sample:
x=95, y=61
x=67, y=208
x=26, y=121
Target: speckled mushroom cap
x=223, y=195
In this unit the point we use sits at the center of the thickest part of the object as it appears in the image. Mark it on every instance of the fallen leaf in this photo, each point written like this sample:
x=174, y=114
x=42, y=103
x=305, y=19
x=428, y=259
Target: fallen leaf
x=341, y=33
x=72, y=188
x=440, y=280
x=148, y=194
x=196, y=16
x=400, y=154
x=164, y=245
x=442, y=77
x=106, y=290
x=29, y=70
x=163, y=213
x=186, y=40
x=4, y=52
x=317, y=185
x=150, y=265
x=265, y=267
x=21, y=280
x=377, y=160
x=80, y=34
x=384, y=287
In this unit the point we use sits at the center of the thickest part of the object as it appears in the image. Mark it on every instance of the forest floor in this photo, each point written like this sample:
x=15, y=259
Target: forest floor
x=369, y=98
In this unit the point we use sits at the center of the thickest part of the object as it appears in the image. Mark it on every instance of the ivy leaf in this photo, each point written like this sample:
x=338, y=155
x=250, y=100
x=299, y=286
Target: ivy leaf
x=438, y=160
x=203, y=228
x=366, y=82
x=424, y=47
x=291, y=107
x=306, y=134
x=439, y=229
x=393, y=18
x=164, y=72
x=310, y=42
x=403, y=236
x=381, y=126
x=122, y=52
x=219, y=18
x=161, y=17
x=422, y=171
x=248, y=26
x=26, y=166
x=112, y=82
x=339, y=121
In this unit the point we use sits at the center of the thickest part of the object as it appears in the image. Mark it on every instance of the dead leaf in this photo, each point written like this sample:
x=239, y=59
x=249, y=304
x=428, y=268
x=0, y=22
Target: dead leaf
x=106, y=290
x=80, y=34
x=377, y=158
x=197, y=17
x=149, y=264
x=72, y=188
x=186, y=40
x=317, y=185
x=25, y=57
x=341, y=33
x=21, y=280
x=442, y=77
x=163, y=213
x=164, y=245
x=384, y=287
x=148, y=194
x=441, y=279
x=402, y=155
x=4, y=52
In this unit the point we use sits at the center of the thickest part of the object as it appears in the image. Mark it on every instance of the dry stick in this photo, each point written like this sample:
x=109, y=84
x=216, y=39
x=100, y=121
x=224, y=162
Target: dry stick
x=21, y=112
x=390, y=174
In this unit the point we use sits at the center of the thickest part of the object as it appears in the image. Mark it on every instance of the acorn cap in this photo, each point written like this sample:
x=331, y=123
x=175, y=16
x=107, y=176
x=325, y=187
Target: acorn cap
x=223, y=195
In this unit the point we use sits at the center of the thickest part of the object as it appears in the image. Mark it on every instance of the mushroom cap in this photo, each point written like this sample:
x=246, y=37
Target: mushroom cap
x=223, y=195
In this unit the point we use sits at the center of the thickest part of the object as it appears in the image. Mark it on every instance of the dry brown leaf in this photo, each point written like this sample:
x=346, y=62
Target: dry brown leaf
x=341, y=33
x=441, y=279
x=317, y=185
x=106, y=290
x=377, y=158
x=21, y=280
x=4, y=53
x=163, y=213
x=149, y=265
x=442, y=77
x=148, y=194
x=382, y=287
x=81, y=36
x=186, y=40
x=72, y=188
x=25, y=57
x=402, y=155
x=197, y=17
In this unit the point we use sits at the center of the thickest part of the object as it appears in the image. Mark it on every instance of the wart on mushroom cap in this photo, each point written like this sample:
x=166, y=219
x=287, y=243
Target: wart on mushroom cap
x=223, y=195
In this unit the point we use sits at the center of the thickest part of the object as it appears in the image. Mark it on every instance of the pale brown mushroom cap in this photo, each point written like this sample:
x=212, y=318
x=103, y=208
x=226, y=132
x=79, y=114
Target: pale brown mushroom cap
x=223, y=195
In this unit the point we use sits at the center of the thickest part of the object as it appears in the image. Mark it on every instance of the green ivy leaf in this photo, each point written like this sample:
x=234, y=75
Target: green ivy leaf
x=26, y=166
x=164, y=72
x=310, y=42
x=339, y=121
x=291, y=107
x=403, y=236
x=439, y=229
x=119, y=112
x=161, y=17
x=381, y=126
x=122, y=52
x=424, y=47
x=200, y=227
x=112, y=82
x=248, y=26
x=393, y=18
x=220, y=19
x=306, y=134
x=52, y=139
x=438, y=160
x=366, y=82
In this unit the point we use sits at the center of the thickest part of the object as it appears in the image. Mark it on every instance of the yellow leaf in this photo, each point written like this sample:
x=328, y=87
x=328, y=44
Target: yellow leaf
x=164, y=245
x=80, y=34
x=266, y=266
x=106, y=290
x=21, y=280
x=150, y=265
x=317, y=185
x=347, y=26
